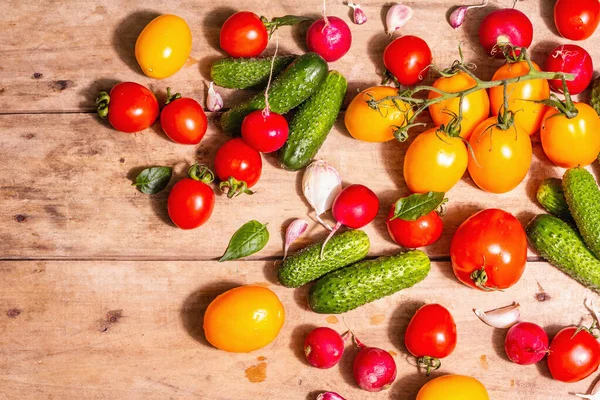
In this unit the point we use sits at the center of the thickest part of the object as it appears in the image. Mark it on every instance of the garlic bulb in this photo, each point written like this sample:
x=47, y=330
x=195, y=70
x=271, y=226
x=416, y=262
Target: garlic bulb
x=502, y=318
x=321, y=184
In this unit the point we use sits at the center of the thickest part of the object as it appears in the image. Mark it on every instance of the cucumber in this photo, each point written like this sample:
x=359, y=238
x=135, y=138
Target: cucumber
x=595, y=95
x=294, y=85
x=242, y=73
x=351, y=287
x=313, y=121
x=550, y=195
x=561, y=245
x=583, y=198
x=307, y=265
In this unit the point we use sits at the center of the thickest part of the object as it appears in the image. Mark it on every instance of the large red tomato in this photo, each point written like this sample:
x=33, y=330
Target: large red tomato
x=573, y=355
x=238, y=166
x=184, y=120
x=130, y=107
x=408, y=59
x=244, y=35
x=191, y=200
x=576, y=19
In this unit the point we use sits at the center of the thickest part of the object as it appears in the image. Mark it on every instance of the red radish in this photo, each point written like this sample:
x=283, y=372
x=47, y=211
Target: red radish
x=265, y=131
x=502, y=27
x=374, y=369
x=329, y=37
x=323, y=347
x=571, y=59
x=526, y=343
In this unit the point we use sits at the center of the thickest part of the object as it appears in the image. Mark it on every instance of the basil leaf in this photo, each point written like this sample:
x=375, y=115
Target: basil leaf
x=154, y=179
x=418, y=205
x=247, y=240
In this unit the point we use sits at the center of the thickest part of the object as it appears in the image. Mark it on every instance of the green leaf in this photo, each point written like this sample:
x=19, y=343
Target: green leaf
x=154, y=179
x=286, y=20
x=247, y=240
x=417, y=205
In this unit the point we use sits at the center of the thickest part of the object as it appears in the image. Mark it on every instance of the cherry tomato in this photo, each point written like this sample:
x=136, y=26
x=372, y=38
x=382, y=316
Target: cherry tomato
x=184, y=121
x=573, y=356
x=244, y=35
x=191, y=200
x=453, y=387
x=238, y=166
x=569, y=142
x=571, y=59
x=489, y=250
x=576, y=19
x=368, y=125
x=412, y=234
x=434, y=162
x=528, y=113
x=431, y=335
x=502, y=156
x=408, y=59
x=164, y=46
x=265, y=132
x=130, y=107
x=475, y=106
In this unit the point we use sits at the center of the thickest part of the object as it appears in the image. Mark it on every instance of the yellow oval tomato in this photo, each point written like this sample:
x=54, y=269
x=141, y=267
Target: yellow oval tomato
x=164, y=46
x=243, y=319
x=434, y=162
x=453, y=387
x=364, y=123
x=503, y=156
x=571, y=142
x=528, y=114
x=475, y=106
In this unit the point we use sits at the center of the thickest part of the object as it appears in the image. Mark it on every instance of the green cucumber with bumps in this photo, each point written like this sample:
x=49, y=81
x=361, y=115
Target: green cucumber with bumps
x=313, y=122
x=366, y=281
x=290, y=89
x=561, y=245
x=243, y=73
x=551, y=196
x=307, y=265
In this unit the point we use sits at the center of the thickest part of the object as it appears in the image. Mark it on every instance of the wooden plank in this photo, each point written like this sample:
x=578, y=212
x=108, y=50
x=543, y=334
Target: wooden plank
x=58, y=57
x=134, y=330
x=65, y=191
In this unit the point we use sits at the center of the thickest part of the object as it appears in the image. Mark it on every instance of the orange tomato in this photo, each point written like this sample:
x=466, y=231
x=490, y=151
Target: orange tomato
x=571, y=142
x=368, y=125
x=453, y=387
x=503, y=156
x=243, y=319
x=528, y=114
x=475, y=106
x=434, y=162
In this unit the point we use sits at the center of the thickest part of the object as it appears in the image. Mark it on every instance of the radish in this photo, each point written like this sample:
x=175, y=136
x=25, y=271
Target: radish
x=323, y=347
x=506, y=26
x=526, y=343
x=329, y=37
x=265, y=130
x=374, y=369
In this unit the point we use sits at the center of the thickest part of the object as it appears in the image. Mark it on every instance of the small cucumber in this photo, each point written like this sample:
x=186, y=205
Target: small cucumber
x=242, y=73
x=583, y=198
x=562, y=246
x=307, y=265
x=550, y=195
x=595, y=95
x=313, y=121
x=294, y=85
x=351, y=287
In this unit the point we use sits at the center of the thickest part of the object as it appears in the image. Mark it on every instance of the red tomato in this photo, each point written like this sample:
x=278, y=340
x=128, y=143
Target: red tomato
x=265, y=132
x=408, y=59
x=238, y=166
x=132, y=107
x=184, y=121
x=571, y=59
x=191, y=200
x=576, y=19
x=489, y=250
x=412, y=234
x=244, y=35
x=431, y=334
x=573, y=357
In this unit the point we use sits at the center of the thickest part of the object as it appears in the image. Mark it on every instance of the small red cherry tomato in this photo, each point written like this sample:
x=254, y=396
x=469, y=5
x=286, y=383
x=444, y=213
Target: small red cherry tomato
x=183, y=120
x=408, y=59
x=191, y=200
x=244, y=35
x=412, y=234
x=574, y=355
x=571, y=59
x=576, y=19
x=265, y=132
x=238, y=166
x=130, y=107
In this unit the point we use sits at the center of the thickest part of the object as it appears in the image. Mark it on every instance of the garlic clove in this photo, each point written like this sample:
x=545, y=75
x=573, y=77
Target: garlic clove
x=501, y=318
x=359, y=15
x=397, y=16
x=458, y=17
x=329, y=396
x=293, y=232
x=321, y=184
x=214, y=101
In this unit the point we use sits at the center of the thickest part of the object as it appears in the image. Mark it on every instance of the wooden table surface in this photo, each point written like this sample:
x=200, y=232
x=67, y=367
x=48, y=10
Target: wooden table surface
x=101, y=297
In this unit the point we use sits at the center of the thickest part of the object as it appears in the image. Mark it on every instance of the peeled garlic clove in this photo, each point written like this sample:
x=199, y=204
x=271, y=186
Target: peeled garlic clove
x=321, y=184
x=359, y=15
x=501, y=318
x=329, y=396
x=293, y=232
x=214, y=101
x=397, y=16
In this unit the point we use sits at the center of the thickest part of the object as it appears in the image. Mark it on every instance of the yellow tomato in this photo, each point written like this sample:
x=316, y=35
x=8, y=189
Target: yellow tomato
x=571, y=142
x=453, y=387
x=370, y=125
x=164, y=46
x=475, y=106
x=434, y=162
x=243, y=319
x=528, y=113
x=503, y=156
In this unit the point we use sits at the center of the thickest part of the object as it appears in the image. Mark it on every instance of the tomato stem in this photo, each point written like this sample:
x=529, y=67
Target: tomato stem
x=201, y=173
x=171, y=97
x=480, y=278
x=429, y=363
x=102, y=102
x=234, y=188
